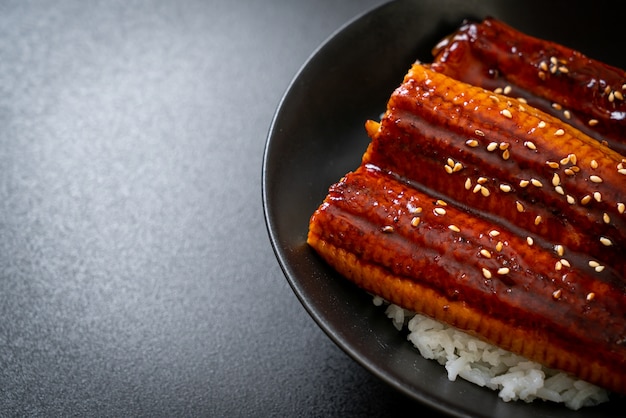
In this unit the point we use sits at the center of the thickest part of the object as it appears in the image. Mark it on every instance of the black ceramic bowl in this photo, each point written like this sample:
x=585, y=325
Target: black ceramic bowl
x=317, y=136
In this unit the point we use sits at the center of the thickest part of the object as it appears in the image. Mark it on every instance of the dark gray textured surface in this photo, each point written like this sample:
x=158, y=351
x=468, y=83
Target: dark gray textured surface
x=136, y=276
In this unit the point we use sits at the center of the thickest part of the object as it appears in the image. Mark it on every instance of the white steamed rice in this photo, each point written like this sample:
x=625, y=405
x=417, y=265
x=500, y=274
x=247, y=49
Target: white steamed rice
x=513, y=376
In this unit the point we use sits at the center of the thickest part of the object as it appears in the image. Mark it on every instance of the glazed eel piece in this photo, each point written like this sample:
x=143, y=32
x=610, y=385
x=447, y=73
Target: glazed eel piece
x=584, y=92
x=507, y=160
x=402, y=243
x=490, y=215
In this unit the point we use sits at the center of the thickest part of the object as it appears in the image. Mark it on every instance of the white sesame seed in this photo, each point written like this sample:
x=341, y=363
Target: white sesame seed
x=556, y=180
x=471, y=143
x=557, y=106
x=439, y=211
x=569, y=171
x=492, y=146
x=552, y=164
x=606, y=218
x=499, y=246
x=494, y=98
x=388, y=229
x=621, y=207
x=498, y=90
x=450, y=162
x=586, y=199
x=468, y=183
x=618, y=95
x=570, y=199
x=606, y=242
x=486, y=273
x=494, y=233
x=593, y=164
x=477, y=188
x=559, y=132
x=573, y=158
x=441, y=202
x=454, y=228
x=479, y=132
x=558, y=266
x=622, y=171
x=592, y=122
x=563, y=69
x=506, y=154
x=543, y=65
x=538, y=219
x=565, y=161
x=559, y=190
x=536, y=183
x=481, y=180
x=448, y=169
x=485, y=253
x=567, y=114
x=595, y=179
x=597, y=196
x=599, y=269
x=507, y=90
x=565, y=262
x=530, y=240
x=484, y=191
x=611, y=97
x=523, y=183
x=557, y=294
x=530, y=145
x=593, y=263
x=506, y=113
x=505, y=188
x=416, y=221
x=503, y=270
x=521, y=108
x=522, y=100
x=590, y=296
x=519, y=206
x=503, y=145
x=541, y=124
x=559, y=250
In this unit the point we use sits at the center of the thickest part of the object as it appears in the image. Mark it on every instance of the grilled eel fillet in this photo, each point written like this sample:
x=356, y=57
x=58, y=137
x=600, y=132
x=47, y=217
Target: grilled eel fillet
x=471, y=207
x=584, y=92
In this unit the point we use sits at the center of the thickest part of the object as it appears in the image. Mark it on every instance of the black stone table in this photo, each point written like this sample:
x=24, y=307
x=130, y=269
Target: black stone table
x=136, y=274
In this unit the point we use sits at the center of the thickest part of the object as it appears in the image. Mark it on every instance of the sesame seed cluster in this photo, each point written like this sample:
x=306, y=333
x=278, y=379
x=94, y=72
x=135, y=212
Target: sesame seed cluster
x=568, y=166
